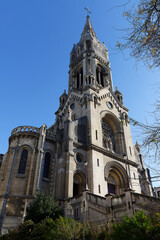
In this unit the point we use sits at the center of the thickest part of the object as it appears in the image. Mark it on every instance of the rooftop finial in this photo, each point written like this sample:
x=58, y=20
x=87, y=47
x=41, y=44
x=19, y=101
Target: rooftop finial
x=87, y=9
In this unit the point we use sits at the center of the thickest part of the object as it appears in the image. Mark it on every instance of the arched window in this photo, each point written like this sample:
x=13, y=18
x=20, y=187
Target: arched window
x=79, y=76
x=113, y=134
x=79, y=183
x=46, y=165
x=88, y=45
x=23, y=161
x=100, y=75
x=108, y=136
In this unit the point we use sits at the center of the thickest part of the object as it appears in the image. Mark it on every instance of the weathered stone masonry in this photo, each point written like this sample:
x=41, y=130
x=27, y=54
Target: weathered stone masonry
x=86, y=159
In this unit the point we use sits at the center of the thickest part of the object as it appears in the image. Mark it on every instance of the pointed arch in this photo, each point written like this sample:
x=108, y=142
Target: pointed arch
x=79, y=183
x=116, y=177
x=112, y=132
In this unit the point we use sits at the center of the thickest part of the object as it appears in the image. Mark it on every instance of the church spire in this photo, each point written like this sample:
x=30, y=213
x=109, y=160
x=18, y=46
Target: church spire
x=88, y=30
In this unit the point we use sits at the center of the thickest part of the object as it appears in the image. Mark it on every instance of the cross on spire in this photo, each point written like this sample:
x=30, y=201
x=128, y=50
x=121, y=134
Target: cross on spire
x=87, y=9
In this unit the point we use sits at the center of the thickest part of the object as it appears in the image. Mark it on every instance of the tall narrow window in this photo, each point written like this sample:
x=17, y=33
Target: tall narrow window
x=23, y=160
x=95, y=102
x=97, y=162
x=88, y=44
x=99, y=188
x=82, y=77
x=96, y=135
x=102, y=83
x=46, y=165
x=76, y=213
x=130, y=150
x=97, y=76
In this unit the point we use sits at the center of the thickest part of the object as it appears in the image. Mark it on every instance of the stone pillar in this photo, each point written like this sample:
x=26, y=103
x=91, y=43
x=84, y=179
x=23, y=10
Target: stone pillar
x=5, y=199
x=38, y=170
x=84, y=207
x=93, y=64
x=29, y=182
x=69, y=175
x=129, y=202
x=110, y=78
x=80, y=83
x=84, y=69
x=69, y=157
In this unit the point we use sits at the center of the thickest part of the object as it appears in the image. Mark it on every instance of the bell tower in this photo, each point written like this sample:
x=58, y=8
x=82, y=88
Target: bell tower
x=95, y=149
x=89, y=63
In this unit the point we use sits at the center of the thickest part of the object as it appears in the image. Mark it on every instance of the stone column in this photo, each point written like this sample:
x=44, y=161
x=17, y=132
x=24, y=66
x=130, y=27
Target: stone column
x=2, y=214
x=93, y=64
x=69, y=157
x=80, y=83
x=29, y=182
x=38, y=170
x=84, y=69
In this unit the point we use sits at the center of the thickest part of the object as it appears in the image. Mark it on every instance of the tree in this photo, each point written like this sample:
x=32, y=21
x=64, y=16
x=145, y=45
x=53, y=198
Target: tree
x=60, y=229
x=41, y=207
x=143, y=40
x=137, y=227
x=151, y=133
x=143, y=35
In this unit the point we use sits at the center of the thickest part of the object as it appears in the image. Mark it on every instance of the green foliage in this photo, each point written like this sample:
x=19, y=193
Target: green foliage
x=41, y=207
x=60, y=229
x=66, y=229
x=138, y=227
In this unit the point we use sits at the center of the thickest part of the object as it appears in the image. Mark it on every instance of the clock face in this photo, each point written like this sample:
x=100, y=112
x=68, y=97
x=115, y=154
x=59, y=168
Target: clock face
x=72, y=106
x=109, y=105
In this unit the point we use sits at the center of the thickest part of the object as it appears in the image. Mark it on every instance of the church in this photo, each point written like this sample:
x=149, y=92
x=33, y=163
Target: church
x=86, y=159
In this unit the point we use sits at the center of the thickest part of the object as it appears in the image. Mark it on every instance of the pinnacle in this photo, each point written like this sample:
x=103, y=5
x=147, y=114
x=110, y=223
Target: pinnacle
x=88, y=29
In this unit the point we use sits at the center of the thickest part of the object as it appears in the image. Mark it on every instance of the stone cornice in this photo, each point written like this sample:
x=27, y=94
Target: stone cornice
x=112, y=155
x=98, y=57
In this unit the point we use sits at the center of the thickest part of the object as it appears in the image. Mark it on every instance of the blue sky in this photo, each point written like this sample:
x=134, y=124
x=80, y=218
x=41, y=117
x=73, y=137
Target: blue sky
x=36, y=37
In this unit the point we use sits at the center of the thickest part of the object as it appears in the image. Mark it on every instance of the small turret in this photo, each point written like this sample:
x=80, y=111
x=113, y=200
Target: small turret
x=63, y=99
x=119, y=96
x=137, y=146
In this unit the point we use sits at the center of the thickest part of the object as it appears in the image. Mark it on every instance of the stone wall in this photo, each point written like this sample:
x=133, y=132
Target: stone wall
x=94, y=208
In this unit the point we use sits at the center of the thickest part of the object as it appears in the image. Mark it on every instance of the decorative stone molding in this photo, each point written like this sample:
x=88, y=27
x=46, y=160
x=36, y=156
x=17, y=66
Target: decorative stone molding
x=25, y=129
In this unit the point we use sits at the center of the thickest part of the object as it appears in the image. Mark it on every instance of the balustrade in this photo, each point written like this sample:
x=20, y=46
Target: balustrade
x=25, y=129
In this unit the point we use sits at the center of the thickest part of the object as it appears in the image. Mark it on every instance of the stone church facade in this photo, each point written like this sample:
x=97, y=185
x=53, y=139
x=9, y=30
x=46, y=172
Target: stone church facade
x=86, y=158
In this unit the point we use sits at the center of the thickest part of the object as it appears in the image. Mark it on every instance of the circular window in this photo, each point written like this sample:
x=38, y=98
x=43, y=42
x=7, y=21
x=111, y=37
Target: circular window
x=109, y=105
x=78, y=158
x=72, y=106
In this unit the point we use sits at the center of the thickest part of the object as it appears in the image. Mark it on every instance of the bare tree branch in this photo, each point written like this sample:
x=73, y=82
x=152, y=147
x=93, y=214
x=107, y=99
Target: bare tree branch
x=143, y=35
